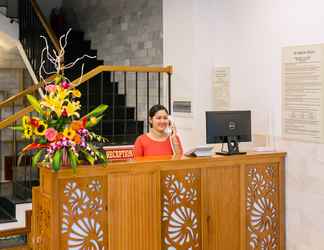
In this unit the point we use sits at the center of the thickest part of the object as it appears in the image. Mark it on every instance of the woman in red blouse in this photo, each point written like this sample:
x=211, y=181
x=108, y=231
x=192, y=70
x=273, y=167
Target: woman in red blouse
x=157, y=141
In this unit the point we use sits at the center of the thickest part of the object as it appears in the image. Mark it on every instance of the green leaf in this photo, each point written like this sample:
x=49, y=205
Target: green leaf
x=89, y=158
x=89, y=124
x=102, y=156
x=58, y=79
x=73, y=160
x=42, y=140
x=35, y=103
x=17, y=128
x=57, y=159
x=37, y=157
x=97, y=111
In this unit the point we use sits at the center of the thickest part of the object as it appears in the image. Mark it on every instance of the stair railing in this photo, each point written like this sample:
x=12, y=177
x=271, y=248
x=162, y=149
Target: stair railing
x=32, y=25
x=143, y=86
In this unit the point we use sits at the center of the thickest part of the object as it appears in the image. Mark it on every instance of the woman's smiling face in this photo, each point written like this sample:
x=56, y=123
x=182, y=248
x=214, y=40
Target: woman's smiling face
x=160, y=121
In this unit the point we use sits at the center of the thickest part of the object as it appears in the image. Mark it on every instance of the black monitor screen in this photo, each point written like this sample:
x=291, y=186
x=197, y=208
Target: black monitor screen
x=223, y=124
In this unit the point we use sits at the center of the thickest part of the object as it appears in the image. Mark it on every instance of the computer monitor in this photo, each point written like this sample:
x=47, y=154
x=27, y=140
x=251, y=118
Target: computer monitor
x=230, y=127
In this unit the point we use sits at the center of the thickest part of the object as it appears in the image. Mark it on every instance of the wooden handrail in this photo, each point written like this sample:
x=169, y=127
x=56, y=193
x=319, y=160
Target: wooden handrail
x=23, y=93
x=103, y=68
x=21, y=230
x=11, y=119
x=45, y=24
x=112, y=68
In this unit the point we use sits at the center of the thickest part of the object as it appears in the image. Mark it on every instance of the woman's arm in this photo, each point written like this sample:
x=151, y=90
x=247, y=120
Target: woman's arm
x=138, y=150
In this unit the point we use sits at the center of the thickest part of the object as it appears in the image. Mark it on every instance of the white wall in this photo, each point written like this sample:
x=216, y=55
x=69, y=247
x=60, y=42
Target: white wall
x=10, y=29
x=248, y=36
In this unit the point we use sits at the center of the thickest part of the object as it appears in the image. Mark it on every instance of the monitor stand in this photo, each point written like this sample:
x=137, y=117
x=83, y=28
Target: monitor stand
x=232, y=147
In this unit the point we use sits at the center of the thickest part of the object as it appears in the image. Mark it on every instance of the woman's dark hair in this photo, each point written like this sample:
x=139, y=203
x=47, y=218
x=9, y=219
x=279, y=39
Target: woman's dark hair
x=156, y=108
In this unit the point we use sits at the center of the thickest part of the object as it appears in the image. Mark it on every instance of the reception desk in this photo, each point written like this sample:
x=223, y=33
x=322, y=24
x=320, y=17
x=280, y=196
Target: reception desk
x=218, y=203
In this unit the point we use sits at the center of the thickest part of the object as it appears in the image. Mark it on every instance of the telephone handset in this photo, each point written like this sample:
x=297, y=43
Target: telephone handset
x=168, y=130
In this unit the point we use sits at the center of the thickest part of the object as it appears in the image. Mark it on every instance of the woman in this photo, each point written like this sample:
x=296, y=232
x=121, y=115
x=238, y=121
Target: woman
x=158, y=141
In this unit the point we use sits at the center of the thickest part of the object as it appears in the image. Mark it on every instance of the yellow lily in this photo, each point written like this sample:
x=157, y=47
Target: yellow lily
x=62, y=93
x=72, y=108
x=53, y=104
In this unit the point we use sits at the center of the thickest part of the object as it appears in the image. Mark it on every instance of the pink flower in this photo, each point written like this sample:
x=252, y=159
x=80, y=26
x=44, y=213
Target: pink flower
x=50, y=88
x=65, y=85
x=50, y=134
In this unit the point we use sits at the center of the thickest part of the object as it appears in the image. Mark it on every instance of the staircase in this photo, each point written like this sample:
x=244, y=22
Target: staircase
x=119, y=124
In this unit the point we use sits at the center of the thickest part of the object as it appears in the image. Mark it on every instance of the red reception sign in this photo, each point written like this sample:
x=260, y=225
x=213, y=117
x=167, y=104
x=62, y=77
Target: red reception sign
x=119, y=153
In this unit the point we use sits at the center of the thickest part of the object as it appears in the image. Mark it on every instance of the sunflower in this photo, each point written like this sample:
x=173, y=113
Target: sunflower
x=69, y=133
x=40, y=130
x=28, y=131
x=25, y=120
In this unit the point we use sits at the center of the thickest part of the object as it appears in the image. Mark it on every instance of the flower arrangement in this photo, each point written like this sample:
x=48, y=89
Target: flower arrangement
x=59, y=135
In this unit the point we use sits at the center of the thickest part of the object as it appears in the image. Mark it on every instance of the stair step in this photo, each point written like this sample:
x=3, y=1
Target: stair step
x=108, y=99
x=7, y=210
x=122, y=139
x=120, y=112
x=76, y=35
x=5, y=217
x=15, y=243
x=119, y=127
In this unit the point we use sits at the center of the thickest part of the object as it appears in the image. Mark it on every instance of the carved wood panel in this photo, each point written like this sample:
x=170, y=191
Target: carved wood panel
x=262, y=207
x=83, y=213
x=180, y=204
x=42, y=229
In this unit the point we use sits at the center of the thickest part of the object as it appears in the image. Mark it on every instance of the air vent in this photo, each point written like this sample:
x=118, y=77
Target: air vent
x=182, y=106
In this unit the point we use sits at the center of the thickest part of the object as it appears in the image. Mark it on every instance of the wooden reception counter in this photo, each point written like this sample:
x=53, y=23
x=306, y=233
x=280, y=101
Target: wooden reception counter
x=218, y=203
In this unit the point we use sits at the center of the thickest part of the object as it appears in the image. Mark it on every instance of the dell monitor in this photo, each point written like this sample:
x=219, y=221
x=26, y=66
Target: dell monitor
x=230, y=127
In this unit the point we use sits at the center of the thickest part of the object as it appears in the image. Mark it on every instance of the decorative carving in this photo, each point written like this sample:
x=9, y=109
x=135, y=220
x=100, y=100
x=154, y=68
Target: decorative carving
x=82, y=213
x=94, y=186
x=44, y=220
x=262, y=207
x=181, y=210
x=86, y=234
x=79, y=201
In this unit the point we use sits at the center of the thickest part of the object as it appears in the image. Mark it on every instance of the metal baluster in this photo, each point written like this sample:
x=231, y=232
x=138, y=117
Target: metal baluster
x=101, y=97
x=113, y=105
x=88, y=96
x=136, y=95
x=14, y=149
x=159, y=87
x=147, y=99
x=125, y=114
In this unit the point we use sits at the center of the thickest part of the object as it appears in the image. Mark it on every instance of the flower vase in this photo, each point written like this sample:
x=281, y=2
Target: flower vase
x=65, y=158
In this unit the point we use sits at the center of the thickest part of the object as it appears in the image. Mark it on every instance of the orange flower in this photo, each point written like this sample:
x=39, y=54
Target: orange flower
x=33, y=146
x=77, y=139
x=59, y=136
x=76, y=125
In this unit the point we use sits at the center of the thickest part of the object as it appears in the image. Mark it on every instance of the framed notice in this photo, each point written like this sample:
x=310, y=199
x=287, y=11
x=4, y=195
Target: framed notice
x=221, y=84
x=303, y=93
